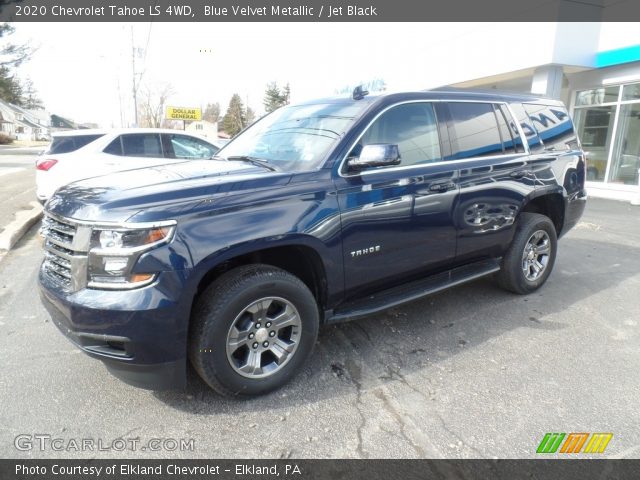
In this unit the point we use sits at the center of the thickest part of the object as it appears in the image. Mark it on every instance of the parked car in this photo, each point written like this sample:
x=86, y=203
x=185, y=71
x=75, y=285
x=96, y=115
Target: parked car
x=77, y=154
x=324, y=212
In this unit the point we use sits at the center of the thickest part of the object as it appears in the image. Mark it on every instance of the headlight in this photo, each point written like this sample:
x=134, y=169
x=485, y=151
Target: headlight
x=114, y=252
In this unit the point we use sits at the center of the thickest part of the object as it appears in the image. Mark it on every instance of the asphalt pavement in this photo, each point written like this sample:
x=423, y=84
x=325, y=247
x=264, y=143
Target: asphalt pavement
x=473, y=372
x=17, y=185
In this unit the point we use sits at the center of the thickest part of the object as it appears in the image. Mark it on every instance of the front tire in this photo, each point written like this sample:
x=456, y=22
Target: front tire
x=252, y=330
x=531, y=256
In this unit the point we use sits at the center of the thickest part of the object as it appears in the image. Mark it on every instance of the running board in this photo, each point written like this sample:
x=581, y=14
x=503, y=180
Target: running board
x=411, y=291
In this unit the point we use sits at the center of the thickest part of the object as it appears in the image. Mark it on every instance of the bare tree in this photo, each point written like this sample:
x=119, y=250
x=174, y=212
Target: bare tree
x=11, y=54
x=211, y=112
x=153, y=104
x=30, y=97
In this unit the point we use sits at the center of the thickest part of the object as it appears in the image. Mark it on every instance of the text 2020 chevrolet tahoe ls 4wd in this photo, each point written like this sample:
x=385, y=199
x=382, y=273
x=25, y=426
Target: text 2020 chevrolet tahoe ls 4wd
x=318, y=213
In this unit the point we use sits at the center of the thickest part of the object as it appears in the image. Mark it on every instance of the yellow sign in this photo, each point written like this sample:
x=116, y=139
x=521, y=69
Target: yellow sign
x=183, y=113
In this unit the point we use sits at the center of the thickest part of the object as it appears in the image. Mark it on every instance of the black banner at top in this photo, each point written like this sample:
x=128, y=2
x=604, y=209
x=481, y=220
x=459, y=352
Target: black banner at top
x=318, y=10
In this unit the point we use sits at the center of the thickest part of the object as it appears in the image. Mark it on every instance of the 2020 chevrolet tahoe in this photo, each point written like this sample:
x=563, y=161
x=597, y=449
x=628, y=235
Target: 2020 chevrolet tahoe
x=319, y=212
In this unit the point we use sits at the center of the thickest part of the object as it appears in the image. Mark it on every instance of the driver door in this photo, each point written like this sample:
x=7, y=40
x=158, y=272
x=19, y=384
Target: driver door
x=397, y=220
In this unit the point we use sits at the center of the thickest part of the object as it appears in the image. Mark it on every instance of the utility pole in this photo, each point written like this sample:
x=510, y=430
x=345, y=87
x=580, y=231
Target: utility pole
x=135, y=87
x=122, y=124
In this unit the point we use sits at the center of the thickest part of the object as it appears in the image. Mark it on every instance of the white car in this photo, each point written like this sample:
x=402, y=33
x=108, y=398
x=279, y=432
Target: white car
x=78, y=154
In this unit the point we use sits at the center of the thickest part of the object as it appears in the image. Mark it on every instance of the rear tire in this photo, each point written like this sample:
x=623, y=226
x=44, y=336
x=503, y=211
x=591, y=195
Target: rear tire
x=531, y=256
x=252, y=329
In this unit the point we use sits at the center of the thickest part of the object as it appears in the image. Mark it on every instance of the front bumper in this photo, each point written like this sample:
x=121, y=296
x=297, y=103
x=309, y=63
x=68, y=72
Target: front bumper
x=140, y=335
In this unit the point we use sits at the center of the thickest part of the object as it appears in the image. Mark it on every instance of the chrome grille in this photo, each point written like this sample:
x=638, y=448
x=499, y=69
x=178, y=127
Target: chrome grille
x=65, y=256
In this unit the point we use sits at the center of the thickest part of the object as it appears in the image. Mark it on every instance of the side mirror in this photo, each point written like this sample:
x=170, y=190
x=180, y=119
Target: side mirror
x=375, y=155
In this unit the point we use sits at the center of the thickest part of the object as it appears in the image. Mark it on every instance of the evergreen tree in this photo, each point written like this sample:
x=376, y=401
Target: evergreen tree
x=271, y=97
x=235, y=119
x=11, y=56
x=10, y=88
x=275, y=98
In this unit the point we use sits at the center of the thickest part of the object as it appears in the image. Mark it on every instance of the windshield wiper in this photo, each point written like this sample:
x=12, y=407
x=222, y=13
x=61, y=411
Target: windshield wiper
x=261, y=162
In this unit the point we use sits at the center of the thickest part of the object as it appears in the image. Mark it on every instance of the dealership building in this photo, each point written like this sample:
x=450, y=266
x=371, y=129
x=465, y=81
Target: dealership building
x=595, y=69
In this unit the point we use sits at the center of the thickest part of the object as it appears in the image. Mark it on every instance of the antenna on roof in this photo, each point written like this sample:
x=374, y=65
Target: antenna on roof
x=359, y=93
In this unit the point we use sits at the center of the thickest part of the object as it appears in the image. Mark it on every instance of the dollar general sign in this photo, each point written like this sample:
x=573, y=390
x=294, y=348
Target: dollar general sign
x=183, y=113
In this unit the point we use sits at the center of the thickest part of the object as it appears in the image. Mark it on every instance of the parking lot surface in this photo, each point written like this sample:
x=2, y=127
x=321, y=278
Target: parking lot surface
x=474, y=372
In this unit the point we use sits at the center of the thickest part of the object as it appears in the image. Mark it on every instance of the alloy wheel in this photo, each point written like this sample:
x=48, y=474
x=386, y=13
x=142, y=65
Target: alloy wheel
x=535, y=256
x=263, y=337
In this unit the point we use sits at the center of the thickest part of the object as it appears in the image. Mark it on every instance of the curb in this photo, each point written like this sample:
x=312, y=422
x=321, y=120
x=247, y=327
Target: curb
x=33, y=151
x=25, y=219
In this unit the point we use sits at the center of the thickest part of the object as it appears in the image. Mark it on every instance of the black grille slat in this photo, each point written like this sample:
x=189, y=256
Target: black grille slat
x=60, y=239
x=60, y=227
x=59, y=279
x=59, y=253
x=58, y=260
x=58, y=269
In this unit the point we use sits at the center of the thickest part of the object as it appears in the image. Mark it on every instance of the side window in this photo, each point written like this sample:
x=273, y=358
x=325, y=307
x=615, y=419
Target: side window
x=71, y=143
x=141, y=145
x=553, y=124
x=115, y=147
x=474, y=130
x=535, y=144
x=412, y=127
x=187, y=147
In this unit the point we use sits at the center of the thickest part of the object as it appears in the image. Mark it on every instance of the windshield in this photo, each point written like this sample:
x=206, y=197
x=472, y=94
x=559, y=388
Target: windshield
x=295, y=138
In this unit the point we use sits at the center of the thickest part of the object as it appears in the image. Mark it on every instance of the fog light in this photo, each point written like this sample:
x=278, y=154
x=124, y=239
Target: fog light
x=115, y=265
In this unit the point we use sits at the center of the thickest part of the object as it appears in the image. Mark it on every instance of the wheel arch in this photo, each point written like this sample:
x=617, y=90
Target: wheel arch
x=298, y=256
x=549, y=204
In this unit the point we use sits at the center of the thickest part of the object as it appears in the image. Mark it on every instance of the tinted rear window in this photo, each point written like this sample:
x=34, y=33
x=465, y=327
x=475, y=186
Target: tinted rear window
x=115, y=147
x=474, y=130
x=553, y=124
x=71, y=143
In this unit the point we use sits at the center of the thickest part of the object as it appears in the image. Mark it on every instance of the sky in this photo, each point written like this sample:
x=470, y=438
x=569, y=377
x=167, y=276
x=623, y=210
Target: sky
x=84, y=71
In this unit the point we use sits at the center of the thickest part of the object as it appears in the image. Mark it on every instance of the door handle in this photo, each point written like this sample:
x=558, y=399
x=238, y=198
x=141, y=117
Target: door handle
x=520, y=173
x=442, y=187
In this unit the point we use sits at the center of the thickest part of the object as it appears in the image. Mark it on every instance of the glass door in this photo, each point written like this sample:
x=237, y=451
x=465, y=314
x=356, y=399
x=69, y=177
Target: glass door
x=625, y=161
x=595, y=128
x=608, y=123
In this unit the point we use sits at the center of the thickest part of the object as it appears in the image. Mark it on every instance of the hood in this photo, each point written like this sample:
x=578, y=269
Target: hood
x=118, y=196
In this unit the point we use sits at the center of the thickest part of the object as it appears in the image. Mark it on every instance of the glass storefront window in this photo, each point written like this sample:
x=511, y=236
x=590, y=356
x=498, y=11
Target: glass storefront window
x=631, y=92
x=625, y=161
x=597, y=96
x=595, y=125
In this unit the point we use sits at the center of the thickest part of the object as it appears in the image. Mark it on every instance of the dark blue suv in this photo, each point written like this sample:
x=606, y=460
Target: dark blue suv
x=319, y=212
